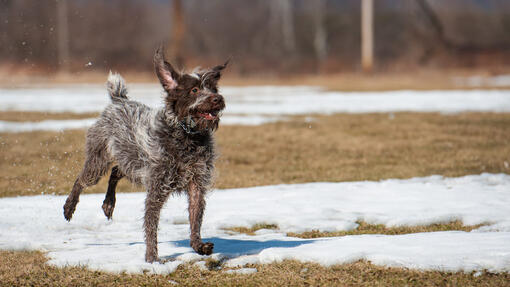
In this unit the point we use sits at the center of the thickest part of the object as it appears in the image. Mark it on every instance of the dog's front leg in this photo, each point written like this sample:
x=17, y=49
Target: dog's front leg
x=153, y=204
x=196, y=211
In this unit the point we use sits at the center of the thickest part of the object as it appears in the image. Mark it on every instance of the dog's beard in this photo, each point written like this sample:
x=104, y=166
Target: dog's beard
x=204, y=121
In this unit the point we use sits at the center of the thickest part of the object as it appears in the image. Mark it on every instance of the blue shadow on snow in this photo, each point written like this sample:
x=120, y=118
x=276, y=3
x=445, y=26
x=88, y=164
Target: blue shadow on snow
x=234, y=247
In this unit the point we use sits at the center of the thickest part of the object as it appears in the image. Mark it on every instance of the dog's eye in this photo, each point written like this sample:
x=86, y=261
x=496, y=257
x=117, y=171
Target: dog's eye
x=194, y=90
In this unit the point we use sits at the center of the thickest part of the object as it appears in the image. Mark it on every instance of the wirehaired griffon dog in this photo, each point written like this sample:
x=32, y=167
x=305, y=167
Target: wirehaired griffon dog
x=167, y=150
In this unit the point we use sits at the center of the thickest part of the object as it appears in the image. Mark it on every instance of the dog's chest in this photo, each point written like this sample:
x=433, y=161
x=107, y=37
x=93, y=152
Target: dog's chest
x=191, y=159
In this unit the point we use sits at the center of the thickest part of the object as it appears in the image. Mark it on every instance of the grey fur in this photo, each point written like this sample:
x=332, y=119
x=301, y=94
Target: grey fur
x=150, y=148
x=116, y=87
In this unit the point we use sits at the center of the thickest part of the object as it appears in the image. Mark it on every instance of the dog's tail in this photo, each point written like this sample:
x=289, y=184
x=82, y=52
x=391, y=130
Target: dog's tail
x=116, y=87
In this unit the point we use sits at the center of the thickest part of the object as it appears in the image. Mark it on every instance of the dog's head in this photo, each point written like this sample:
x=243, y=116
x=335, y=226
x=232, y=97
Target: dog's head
x=192, y=95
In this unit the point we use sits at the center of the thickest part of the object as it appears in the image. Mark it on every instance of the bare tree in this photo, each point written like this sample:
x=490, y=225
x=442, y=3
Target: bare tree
x=287, y=13
x=367, y=35
x=281, y=25
x=434, y=22
x=452, y=46
x=320, y=38
x=177, y=33
x=62, y=35
x=286, y=35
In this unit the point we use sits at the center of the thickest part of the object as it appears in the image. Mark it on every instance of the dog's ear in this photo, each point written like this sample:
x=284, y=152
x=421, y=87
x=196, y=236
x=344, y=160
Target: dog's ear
x=220, y=68
x=214, y=74
x=167, y=75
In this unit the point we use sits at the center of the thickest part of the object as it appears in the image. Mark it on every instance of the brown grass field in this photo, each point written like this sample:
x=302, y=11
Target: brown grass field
x=29, y=269
x=329, y=148
x=417, y=79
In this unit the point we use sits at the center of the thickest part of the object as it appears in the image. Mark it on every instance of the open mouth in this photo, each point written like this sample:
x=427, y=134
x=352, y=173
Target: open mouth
x=210, y=115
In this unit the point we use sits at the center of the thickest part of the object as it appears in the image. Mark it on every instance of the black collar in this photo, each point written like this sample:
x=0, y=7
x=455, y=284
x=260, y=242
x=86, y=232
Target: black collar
x=188, y=125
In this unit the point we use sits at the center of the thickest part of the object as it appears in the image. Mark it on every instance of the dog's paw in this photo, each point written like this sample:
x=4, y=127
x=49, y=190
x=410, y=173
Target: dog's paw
x=108, y=206
x=205, y=248
x=69, y=208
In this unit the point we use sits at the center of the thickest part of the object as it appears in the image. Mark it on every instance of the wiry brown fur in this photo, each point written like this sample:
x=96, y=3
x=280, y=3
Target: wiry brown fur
x=153, y=147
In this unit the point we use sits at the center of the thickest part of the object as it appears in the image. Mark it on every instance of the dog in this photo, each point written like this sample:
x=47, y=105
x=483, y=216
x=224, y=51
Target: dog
x=168, y=150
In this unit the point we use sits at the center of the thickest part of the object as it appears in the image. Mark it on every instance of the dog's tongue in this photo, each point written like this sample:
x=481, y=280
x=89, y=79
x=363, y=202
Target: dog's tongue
x=207, y=116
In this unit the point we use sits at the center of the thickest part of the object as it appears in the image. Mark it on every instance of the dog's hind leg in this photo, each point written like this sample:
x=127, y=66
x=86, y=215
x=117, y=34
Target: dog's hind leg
x=96, y=165
x=109, y=200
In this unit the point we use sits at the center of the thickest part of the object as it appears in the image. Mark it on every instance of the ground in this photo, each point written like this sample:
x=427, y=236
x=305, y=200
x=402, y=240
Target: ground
x=418, y=79
x=333, y=148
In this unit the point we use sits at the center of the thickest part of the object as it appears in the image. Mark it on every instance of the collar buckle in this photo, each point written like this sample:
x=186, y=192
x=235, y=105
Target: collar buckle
x=188, y=125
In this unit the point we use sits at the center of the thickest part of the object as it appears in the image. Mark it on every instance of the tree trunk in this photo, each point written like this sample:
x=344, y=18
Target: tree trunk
x=367, y=35
x=177, y=33
x=289, y=40
x=320, y=38
x=281, y=26
x=62, y=36
x=434, y=21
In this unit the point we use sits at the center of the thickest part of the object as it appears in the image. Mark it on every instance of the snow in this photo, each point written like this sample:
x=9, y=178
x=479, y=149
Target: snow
x=36, y=223
x=252, y=105
x=498, y=81
x=443, y=251
x=61, y=125
x=243, y=271
x=49, y=125
x=265, y=100
x=249, y=120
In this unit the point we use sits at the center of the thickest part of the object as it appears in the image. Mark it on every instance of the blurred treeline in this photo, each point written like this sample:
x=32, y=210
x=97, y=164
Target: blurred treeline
x=261, y=35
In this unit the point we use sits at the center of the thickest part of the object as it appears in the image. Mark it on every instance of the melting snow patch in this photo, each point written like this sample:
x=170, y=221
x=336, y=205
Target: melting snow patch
x=242, y=271
x=60, y=125
x=36, y=223
x=480, y=81
x=201, y=265
x=249, y=120
x=248, y=105
x=50, y=125
x=265, y=100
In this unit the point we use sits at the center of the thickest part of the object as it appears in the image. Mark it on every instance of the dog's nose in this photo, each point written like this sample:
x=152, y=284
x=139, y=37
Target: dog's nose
x=216, y=99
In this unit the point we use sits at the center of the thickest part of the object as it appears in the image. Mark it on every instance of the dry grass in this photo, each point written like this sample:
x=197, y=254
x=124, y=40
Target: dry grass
x=363, y=228
x=29, y=269
x=410, y=80
x=251, y=230
x=383, y=81
x=419, y=79
x=331, y=148
x=364, y=147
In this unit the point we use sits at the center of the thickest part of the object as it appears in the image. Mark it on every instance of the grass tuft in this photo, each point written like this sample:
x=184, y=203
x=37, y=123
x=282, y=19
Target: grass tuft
x=213, y=264
x=251, y=230
x=366, y=228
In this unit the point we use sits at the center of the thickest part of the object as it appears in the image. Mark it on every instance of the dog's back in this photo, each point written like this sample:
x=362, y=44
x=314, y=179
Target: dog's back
x=128, y=128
